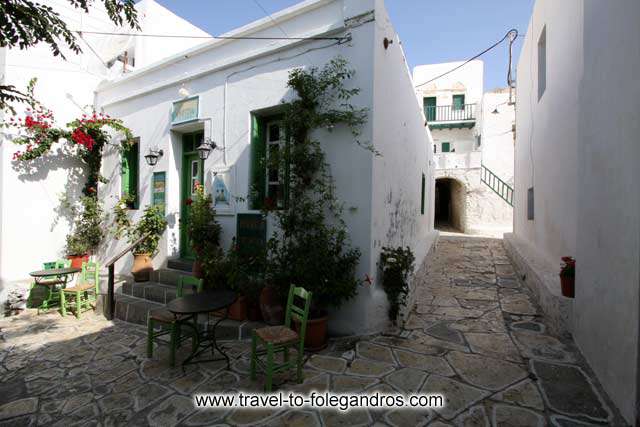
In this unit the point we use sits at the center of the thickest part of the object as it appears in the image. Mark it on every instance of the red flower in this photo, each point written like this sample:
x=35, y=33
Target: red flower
x=83, y=138
x=29, y=122
x=188, y=202
x=91, y=189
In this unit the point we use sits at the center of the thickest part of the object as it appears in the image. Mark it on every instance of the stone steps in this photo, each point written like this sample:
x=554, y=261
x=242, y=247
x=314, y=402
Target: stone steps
x=134, y=300
x=136, y=310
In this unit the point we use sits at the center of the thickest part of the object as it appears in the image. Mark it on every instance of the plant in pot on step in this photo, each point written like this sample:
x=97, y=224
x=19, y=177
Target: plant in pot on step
x=87, y=231
x=204, y=234
x=310, y=246
x=568, y=276
x=152, y=226
x=245, y=275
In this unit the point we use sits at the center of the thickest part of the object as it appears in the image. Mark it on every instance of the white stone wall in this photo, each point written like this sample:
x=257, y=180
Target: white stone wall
x=577, y=146
x=33, y=226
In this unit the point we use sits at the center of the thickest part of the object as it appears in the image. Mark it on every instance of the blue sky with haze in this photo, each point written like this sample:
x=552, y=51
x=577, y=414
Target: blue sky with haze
x=432, y=31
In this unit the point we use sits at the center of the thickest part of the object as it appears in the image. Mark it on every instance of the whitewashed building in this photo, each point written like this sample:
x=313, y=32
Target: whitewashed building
x=33, y=228
x=222, y=90
x=473, y=147
x=576, y=182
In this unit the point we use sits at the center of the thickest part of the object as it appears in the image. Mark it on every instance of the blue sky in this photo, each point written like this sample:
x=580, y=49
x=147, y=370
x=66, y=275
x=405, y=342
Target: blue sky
x=432, y=31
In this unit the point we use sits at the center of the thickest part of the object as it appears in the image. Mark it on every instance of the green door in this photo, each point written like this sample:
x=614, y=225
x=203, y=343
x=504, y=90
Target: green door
x=430, y=108
x=192, y=173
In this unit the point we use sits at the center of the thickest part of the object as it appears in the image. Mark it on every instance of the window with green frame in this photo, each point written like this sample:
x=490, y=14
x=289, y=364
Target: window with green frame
x=130, y=164
x=445, y=147
x=458, y=102
x=269, y=173
x=423, y=194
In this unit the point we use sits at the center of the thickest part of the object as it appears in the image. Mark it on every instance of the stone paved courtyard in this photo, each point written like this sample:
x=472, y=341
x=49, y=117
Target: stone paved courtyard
x=475, y=335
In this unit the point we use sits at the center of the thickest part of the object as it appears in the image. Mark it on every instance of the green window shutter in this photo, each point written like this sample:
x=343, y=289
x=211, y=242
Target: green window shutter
x=446, y=146
x=130, y=174
x=422, y=195
x=458, y=102
x=258, y=167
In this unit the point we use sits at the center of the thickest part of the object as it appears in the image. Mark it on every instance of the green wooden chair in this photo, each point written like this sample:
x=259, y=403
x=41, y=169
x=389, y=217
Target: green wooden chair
x=273, y=339
x=164, y=316
x=51, y=286
x=84, y=295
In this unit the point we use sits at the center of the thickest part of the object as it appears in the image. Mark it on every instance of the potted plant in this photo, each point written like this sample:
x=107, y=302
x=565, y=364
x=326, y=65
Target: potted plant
x=151, y=225
x=310, y=247
x=204, y=233
x=568, y=276
x=87, y=231
x=245, y=274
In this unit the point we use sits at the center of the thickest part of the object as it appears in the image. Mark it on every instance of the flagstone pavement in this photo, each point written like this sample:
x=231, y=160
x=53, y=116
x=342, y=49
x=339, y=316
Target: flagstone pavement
x=475, y=335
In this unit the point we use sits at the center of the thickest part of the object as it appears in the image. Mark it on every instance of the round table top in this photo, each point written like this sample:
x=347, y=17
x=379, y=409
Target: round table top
x=55, y=272
x=203, y=302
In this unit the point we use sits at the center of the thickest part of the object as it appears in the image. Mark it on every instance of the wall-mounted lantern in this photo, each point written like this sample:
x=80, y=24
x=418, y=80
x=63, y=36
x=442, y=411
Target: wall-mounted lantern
x=153, y=156
x=205, y=148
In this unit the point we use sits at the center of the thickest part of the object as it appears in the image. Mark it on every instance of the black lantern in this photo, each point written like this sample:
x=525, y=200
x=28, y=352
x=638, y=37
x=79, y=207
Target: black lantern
x=204, y=149
x=153, y=156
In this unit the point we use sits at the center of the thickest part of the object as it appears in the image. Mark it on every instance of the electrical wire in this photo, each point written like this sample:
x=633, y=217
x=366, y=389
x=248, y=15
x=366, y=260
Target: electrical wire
x=271, y=18
x=107, y=33
x=510, y=32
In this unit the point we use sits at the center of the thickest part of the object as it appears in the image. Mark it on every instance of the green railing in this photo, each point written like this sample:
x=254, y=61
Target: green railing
x=450, y=113
x=499, y=187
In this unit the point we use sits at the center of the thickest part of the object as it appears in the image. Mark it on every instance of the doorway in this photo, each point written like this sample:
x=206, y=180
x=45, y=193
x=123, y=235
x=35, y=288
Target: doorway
x=192, y=173
x=449, y=205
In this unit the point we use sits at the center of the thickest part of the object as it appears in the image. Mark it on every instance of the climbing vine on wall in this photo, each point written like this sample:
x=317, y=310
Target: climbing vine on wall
x=87, y=137
x=311, y=245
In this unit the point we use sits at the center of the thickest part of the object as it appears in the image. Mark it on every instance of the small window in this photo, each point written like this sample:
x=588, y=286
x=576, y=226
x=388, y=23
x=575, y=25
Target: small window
x=542, y=63
x=458, y=102
x=446, y=147
x=530, y=205
x=130, y=164
x=422, y=195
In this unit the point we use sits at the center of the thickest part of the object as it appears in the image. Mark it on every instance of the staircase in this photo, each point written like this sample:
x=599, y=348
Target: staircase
x=134, y=300
x=498, y=186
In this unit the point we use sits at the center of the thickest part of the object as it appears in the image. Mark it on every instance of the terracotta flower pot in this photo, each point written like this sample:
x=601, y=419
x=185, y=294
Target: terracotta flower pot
x=238, y=310
x=196, y=270
x=568, y=286
x=253, y=311
x=142, y=267
x=316, y=335
x=270, y=306
x=77, y=260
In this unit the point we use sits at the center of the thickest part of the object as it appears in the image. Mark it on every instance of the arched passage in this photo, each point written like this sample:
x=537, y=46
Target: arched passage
x=450, y=205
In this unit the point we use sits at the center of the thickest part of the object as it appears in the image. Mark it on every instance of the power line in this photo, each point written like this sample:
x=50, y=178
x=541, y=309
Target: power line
x=106, y=33
x=512, y=32
x=271, y=17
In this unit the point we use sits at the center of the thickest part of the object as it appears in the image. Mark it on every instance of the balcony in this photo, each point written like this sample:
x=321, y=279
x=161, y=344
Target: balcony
x=451, y=116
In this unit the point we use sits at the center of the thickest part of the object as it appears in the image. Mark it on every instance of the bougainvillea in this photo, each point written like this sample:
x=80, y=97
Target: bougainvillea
x=87, y=136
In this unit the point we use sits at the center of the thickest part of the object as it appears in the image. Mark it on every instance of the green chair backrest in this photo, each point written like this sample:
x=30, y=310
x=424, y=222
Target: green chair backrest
x=91, y=274
x=61, y=263
x=198, y=284
x=300, y=314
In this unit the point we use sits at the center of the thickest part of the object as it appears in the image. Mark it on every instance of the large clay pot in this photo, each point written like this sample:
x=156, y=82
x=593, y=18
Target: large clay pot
x=238, y=310
x=77, y=260
x=196, y=270
x=568, y=286
x=316, y=335
x=253, y=311
x=271, y=307
x=142, y=267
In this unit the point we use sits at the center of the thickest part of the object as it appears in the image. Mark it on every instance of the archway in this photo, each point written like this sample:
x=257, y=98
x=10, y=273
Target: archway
x=450, y=205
